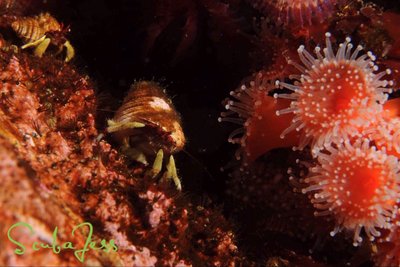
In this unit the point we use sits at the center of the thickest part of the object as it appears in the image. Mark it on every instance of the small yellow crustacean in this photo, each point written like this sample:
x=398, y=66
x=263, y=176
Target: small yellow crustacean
x=147, y=125
x=35, y=31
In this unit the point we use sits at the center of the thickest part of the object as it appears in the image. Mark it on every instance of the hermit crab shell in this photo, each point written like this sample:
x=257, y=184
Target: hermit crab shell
x=33, y=28
x=148, y=104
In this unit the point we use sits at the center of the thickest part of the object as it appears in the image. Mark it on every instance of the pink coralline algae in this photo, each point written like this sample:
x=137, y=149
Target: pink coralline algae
x=160, y=205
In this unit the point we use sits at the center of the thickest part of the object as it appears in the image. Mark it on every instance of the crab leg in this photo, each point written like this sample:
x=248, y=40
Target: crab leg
x=70, y=51
x=171, y=173
x=157, y=165
x=34, y=43
x=119, y=126
x=41, y=47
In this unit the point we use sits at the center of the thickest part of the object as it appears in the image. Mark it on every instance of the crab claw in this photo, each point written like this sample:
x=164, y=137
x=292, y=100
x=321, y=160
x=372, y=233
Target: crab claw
x=70, y=51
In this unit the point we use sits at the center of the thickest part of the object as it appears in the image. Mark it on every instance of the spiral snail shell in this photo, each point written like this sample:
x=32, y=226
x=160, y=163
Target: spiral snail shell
x=147, y=103
x=33, y=28
x=41, y=30
x=147, y=125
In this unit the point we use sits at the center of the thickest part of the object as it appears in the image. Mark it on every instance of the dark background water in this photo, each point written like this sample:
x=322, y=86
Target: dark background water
x=109, y=40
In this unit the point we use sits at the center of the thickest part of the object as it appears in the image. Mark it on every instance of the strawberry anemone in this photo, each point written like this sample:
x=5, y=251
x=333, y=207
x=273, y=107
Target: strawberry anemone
x=386, y=135
x=385, y=132
x=299, y=12
x=335, y=95
x=254, y=110
x=357, y=184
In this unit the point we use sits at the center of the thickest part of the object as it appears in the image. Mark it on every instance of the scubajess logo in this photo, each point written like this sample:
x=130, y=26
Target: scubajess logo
x=79, y=252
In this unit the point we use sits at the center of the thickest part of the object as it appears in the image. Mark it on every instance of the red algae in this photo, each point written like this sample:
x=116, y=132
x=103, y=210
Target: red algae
x=335, y=94
x=357, y=184
x=255, y=111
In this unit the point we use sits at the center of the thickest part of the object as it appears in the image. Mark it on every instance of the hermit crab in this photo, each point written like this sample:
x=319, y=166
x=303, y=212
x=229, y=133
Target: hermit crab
x=147, y=125
x=41, y=30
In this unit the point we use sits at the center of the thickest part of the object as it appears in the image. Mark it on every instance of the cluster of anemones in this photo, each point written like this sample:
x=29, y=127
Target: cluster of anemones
x=337, y=106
